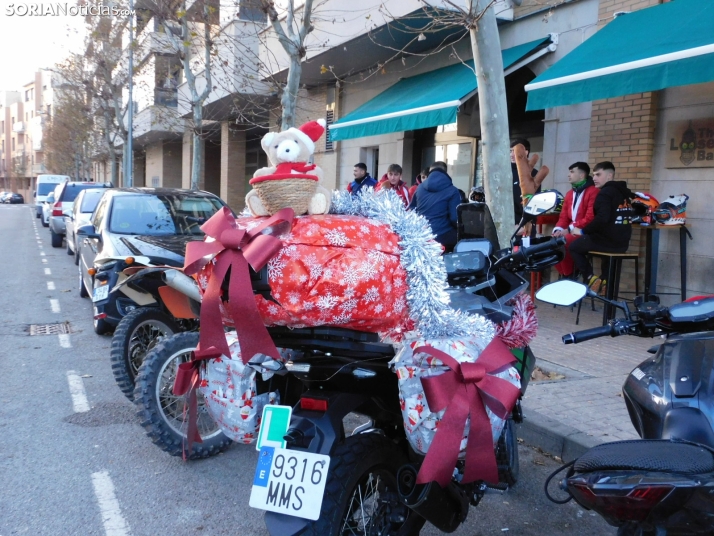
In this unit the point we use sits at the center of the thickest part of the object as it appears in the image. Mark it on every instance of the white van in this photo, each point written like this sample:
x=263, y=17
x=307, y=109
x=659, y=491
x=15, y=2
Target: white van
x=45, y=185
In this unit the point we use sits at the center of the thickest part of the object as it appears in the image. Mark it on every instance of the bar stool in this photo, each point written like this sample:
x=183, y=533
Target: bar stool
x=613, y=279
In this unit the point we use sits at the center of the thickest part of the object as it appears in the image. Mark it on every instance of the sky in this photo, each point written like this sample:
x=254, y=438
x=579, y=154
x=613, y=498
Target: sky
x=29, y=43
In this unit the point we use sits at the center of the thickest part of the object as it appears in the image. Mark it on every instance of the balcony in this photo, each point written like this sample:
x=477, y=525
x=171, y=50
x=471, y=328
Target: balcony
x=38, y=168
x=235, y=76
x=18, y=126
x=166, y=97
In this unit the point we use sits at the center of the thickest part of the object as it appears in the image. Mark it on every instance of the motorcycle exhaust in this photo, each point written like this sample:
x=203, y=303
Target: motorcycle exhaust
x=183, y=283
x=445, y=508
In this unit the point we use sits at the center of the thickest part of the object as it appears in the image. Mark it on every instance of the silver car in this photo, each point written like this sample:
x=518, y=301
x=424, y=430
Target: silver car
x=81, y=214
x=65, y=194
x=47, y=209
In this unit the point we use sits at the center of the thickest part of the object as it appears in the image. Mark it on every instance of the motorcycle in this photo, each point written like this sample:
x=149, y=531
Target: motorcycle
x=663, y=483
x=146, y=324
x=371, y=481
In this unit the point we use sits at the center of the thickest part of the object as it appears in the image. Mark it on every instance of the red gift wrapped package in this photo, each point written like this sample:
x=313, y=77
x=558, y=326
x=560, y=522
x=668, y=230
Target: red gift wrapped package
x=333, y=270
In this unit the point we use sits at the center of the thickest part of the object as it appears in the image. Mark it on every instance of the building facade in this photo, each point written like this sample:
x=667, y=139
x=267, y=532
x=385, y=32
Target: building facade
x=23, y=117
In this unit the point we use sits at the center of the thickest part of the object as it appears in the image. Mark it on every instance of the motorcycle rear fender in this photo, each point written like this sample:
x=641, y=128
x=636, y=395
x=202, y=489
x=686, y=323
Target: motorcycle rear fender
x=689, y=424
x=323, y=431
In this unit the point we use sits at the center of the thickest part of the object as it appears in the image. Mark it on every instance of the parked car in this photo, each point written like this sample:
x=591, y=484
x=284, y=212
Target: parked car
x=47, y=209
x=84, y=205
x=45, y=184
x=142, y=225
x=15, y=199
x=65, y=194
x=4, y=196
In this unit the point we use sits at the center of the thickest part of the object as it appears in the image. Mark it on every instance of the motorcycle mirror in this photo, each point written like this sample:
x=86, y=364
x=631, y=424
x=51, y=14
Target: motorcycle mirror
x=562, y=292
x=541, y=203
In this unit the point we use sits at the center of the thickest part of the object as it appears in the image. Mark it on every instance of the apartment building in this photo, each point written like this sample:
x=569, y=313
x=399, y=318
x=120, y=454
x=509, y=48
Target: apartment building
x=23, y=116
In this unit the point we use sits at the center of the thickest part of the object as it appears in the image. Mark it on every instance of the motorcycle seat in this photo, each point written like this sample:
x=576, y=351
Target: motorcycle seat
x=647, y=455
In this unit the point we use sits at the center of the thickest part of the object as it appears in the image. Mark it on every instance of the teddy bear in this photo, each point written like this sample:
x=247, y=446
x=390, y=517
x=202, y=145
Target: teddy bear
x=290, y=181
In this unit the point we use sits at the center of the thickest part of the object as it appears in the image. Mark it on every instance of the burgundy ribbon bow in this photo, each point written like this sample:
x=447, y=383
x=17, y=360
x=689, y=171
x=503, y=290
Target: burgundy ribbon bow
x=233, y=249
x=463, y=391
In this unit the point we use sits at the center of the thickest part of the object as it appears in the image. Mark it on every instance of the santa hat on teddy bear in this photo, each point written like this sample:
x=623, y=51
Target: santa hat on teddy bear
x=309, y=133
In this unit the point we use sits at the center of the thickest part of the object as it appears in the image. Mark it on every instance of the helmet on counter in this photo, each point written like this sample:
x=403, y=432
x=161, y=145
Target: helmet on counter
x=643, y=205
x=672, y=211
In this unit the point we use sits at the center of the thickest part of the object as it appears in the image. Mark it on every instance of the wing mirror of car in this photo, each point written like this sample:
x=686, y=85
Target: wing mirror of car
x=88, y=231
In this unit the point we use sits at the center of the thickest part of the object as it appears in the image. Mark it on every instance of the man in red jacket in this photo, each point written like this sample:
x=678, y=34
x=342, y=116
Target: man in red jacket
x=392, y=180
x=577, y=212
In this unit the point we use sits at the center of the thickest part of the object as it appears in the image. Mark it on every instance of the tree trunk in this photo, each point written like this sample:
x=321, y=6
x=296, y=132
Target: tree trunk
x=292, y=86
x=197, y=157
x=497, y=175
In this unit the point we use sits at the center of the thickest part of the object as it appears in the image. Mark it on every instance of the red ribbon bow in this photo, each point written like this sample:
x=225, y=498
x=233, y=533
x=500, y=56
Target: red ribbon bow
x=233, y=249
x=463, y=391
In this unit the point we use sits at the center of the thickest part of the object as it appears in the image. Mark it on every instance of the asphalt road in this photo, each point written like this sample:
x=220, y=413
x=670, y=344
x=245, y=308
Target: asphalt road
x=64, y=472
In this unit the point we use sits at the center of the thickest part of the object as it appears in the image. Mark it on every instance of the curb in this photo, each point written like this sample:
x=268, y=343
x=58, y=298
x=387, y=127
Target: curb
x=554, y=437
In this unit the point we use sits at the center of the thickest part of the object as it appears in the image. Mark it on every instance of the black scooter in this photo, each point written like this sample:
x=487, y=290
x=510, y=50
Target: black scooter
x=662, y=484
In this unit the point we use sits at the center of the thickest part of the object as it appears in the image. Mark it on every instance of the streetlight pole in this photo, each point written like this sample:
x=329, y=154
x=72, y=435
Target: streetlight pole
x=129, y=150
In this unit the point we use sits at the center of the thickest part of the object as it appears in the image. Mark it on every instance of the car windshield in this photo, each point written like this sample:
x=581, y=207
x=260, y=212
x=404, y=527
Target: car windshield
x=45, y=187
x=72, y=191
x=91, y=200
x=161, y=214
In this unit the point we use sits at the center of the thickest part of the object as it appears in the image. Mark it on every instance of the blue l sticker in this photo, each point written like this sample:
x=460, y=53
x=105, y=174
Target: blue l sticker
x=262, y=470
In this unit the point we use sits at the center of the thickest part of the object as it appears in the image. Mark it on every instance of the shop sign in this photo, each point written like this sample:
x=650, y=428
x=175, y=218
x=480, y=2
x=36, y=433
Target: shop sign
x=690, y=144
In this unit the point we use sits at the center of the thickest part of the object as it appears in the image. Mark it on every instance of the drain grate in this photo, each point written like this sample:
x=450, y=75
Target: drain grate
x=49, y=329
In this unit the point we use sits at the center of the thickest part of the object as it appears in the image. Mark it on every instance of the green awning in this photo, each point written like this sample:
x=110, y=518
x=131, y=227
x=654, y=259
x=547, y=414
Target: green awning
x=662, y=46
x=426, y=100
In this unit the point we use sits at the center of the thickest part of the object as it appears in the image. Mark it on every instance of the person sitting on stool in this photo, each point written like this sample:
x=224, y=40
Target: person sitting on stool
x=610, y=229
x=577, y=212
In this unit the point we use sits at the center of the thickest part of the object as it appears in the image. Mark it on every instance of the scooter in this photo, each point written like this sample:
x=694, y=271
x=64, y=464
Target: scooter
x=662, y=484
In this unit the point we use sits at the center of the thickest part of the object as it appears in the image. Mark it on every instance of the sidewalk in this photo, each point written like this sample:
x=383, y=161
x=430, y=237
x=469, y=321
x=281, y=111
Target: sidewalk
x=567, y=417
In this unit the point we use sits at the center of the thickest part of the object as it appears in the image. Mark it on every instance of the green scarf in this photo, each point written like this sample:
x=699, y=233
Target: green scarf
x=577, y=185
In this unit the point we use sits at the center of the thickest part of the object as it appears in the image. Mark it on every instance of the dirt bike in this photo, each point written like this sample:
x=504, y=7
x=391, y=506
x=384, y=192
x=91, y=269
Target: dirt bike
x=663, y=483
x=148, y=320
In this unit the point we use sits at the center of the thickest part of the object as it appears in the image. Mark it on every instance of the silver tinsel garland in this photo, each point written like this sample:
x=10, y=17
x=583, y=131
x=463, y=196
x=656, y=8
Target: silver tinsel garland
x=421, y=258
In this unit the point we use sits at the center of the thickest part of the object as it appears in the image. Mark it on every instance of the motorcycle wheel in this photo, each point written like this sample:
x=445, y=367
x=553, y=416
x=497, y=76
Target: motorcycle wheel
x=137, y=333
x=161, y=412
x=361, y=491
x=507, y=455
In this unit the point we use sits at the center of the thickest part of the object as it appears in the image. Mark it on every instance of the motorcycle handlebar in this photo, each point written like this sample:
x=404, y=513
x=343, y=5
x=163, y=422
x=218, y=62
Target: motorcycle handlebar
x=613, y=330
x=523, y=255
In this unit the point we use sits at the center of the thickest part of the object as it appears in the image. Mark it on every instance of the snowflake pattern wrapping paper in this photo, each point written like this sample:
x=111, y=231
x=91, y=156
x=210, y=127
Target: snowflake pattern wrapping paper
x=229, y=390
x=334, y=270
x=420, y=424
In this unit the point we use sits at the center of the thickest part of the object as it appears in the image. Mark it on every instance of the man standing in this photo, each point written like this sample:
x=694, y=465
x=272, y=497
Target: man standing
x=517, y=194
x=577, y=211
x=394, y=182
x=610, y=229
x=436, y=200
x=362, y=179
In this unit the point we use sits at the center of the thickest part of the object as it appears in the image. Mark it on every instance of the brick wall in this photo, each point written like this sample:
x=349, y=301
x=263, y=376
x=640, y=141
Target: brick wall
x=622, y=130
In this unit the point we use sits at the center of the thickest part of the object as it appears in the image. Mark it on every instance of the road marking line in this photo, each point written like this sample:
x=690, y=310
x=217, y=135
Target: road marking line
x=54, y=304
x=64, y=340
x=48, y=271
x=114, y=523
x=44, y=261
x=76, y=389
x=42, y=253
x=50, y=285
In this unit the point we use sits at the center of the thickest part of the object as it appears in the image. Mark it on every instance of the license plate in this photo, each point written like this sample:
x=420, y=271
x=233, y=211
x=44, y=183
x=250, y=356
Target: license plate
x=100, y=293
x=290, y=482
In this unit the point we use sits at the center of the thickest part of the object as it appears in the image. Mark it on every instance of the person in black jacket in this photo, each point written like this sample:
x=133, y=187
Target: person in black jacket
x=610, y=230
x=436, y=199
